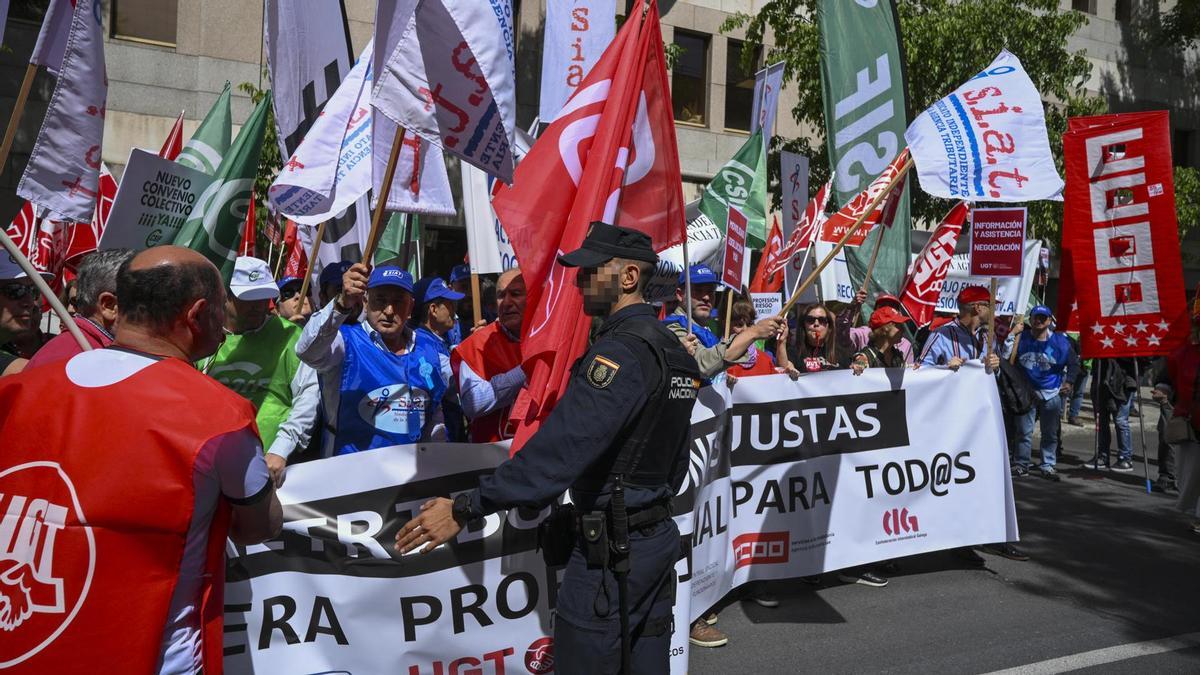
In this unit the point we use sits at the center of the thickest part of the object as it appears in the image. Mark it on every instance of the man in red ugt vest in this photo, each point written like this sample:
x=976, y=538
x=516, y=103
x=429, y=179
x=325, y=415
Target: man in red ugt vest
x=123, y=471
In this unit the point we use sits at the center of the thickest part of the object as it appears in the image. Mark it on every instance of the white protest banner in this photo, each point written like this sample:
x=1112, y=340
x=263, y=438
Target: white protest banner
x=768, y=82
x=1012, y=293
x=488, y=249
x=997, y=241
x=822, y=473
x=577, y=33
x=986, y=141
x=767, y=304
x=154, y=199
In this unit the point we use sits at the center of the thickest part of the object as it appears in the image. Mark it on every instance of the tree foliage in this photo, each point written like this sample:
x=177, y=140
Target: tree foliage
x=1181, y=24
x=269, y=162
x=945, y=42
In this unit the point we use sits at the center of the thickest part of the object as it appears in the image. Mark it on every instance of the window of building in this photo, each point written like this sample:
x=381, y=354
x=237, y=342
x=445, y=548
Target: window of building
x=1086, y=6
x=1124, y=11
x=145, y=20
x=689, y=78
x=739, y=87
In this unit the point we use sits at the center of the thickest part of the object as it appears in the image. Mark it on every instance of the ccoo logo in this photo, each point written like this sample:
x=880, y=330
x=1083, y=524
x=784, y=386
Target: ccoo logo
x=899, y=521
x=44, y=545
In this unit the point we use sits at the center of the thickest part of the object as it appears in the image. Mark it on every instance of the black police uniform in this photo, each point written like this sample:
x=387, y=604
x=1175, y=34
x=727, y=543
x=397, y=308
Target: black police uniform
x=634, y=388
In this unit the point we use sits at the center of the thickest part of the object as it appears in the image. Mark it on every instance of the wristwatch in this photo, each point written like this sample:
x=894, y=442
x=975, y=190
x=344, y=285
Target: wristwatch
x=462, y=510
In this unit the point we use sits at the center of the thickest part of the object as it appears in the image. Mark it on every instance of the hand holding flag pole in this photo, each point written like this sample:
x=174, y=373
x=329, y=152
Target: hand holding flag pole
x=68, y=323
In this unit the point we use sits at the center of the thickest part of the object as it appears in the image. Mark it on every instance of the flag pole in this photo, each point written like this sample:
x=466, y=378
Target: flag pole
x=808, y=281
x=728, y=309
x=18, y=111
x=687, y=282
x=476, y=301
x=1012, y=356
x=385, y=191
x=871, y=264
x=1137, y=376
x=312, y=261
x=27, y=267
x=991, y=334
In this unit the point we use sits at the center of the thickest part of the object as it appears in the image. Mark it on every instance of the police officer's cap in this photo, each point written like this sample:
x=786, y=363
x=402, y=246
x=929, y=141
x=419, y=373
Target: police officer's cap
x=605, y=242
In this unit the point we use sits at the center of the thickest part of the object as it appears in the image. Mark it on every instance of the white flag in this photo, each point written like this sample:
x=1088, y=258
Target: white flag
x=451, y=82
x=488, y=247
x=576, y=35
x=767, y=84
x=63, y=173
x=986, y=141
x=52, y=39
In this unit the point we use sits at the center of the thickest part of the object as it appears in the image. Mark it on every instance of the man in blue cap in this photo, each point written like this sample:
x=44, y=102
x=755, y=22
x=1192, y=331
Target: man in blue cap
x=434, y=316
x=1051, y=366
x=460, y=283
x=329, y=284
x=381, y=386
x=712, y=353
x=290, y=305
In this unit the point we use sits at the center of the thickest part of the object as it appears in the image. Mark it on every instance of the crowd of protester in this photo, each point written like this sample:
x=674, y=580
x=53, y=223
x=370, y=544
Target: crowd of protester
x=383, y=359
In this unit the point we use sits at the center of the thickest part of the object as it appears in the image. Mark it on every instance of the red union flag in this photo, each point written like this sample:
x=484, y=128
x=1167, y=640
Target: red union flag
x=924, y=284
x=1125, y=292
x=85, y=237
x=839, y=223
x=610, y=155
x=768, y=277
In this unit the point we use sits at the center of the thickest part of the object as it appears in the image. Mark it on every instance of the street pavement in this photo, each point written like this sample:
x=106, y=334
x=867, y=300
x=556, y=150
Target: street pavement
x=1113, y=587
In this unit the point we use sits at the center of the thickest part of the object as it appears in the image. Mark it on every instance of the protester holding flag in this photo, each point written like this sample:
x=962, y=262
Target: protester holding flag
x=162, y=490
x=19, y=301
x=258, y=360
x=487, y=364
x=329, y=284
x=96, y=307
x=292, y=306
x=375, y=365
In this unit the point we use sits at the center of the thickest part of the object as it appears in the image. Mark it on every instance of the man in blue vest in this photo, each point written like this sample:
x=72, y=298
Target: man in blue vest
x=381, y=386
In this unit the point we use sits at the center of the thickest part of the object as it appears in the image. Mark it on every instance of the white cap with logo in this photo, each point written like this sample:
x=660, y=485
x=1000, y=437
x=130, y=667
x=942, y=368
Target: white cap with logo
x=252, y=280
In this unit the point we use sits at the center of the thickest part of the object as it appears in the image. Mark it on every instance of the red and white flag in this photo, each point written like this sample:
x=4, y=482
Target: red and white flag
x=768, y=276
x=297, y=262
x=807, y=229
x=42, y=239
x=924, y=283
x=249, y=229
x=1125, y=291
x=839, y=223
x=615, y=135
x=173, y=145
x=85, y=237
x=63, y=172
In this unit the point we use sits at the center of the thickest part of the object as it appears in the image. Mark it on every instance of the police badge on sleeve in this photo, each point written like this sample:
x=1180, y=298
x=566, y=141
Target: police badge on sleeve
x=601, y=371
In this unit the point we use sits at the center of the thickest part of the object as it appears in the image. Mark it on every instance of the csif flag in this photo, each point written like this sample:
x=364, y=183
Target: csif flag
x=208, y=145
x=215, y=225
x=924, y=284
x=609, y=156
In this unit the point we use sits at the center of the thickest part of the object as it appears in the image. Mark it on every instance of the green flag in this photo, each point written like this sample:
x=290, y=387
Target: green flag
x=742, y=182
x=209, y=144
x=214, y=227
x=862, y=81
x=391, y=242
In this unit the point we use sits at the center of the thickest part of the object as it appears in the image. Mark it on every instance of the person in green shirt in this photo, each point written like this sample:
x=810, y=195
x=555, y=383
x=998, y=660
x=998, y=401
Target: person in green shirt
x=258, y=360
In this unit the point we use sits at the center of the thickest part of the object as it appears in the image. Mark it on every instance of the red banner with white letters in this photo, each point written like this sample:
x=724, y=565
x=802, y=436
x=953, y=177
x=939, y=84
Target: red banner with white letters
x=1125, y=291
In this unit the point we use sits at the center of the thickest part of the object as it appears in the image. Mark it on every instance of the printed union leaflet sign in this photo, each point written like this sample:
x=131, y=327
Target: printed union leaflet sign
x=154, y=199
x=997, y=242
x=735, y=249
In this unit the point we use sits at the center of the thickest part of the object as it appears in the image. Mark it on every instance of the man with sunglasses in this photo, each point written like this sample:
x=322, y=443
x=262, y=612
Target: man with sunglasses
x=291, y=305
x=1051, y=366
x=258, y=360
x=380, y=386
x=19, y=303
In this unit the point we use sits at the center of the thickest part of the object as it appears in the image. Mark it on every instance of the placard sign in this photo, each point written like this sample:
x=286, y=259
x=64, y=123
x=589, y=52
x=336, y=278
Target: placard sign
x=997, y=242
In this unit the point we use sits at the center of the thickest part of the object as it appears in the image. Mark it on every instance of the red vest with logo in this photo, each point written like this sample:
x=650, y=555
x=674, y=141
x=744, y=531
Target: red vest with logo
x=100, y=482
x=489, y=352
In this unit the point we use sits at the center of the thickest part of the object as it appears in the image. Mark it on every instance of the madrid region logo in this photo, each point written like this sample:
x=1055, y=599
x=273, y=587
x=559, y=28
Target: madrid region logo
x=47, y=558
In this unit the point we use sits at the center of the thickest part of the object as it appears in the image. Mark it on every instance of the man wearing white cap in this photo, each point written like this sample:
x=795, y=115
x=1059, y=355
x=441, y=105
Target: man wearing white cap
x=258, y=360
x=19, y=301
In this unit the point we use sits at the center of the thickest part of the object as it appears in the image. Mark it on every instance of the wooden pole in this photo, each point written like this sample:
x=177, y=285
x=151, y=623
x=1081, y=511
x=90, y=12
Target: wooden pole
x=1012, y=356
x=476, y=301
x=728, y=310
x=991, y=334
x=64, y=316
x=385, y=191
x=808, y=281
x=871, y=264
x=312, y=261
x=14, y=120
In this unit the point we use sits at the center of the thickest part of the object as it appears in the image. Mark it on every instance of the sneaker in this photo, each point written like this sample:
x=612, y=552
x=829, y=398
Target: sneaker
x=1018, y=471
x=969, y=556
x=1096, y=465
x=765, y=600
x=1074, y=421
x=710, y=618
x=866, y=578
x=1164, y=484
x=1124, y=466
x=814, y=580
x=1049, y=473
x=1006, y=551
x=704, y=635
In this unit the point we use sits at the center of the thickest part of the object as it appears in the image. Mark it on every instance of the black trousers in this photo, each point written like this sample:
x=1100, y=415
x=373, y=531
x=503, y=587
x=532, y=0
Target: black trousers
x=587, y=621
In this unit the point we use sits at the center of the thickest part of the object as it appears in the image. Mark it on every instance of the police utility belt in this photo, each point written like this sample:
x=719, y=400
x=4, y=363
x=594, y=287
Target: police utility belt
x=558, y=533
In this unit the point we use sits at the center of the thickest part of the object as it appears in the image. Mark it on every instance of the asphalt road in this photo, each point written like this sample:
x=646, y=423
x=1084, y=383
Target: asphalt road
x=1113, y=587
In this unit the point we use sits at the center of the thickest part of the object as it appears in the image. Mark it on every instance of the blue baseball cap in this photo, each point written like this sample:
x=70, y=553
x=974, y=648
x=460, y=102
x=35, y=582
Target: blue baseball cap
x=700, y=274
x=390, y=275
x=433, y=288
x=460, y=272
x=287, y=280
x=1040, y=310
x=331, y=275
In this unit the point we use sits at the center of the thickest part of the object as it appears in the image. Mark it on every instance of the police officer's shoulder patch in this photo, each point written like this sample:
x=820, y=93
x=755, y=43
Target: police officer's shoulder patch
x=601, y=371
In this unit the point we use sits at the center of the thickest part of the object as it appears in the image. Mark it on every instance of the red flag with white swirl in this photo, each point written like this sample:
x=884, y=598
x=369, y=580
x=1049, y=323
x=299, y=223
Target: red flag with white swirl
x=924, y=283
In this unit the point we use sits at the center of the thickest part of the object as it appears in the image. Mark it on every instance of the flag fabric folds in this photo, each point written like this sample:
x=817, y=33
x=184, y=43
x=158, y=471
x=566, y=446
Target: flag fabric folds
x=208, y=145
x=839, y=223
x=924, y=284
x=768, y=277
x=249, y=229
x=611, y=156
x=63, y=172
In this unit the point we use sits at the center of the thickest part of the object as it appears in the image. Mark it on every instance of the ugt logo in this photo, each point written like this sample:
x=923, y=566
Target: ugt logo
x=899, y=521
x=45, y=566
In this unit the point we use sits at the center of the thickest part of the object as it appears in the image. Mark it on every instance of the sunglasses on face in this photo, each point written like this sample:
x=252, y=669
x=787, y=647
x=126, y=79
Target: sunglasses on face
x=20, y=292
x=823, y=320
x=1040, y=317
x=289, y=293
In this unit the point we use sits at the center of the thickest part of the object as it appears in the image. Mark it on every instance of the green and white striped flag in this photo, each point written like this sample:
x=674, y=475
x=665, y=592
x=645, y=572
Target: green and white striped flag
x=391, y=243
x=209, y=144
x=215, y=226
x=742, y=182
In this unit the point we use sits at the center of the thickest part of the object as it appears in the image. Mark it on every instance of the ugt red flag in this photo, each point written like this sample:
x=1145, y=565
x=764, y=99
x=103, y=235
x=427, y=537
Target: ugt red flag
x=1119, y=225
x=839, y=223
x=768, y=277
x=610, y=155
x=924, y=284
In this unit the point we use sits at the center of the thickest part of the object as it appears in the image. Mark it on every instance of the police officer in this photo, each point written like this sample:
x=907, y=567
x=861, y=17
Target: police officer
x=618, y=439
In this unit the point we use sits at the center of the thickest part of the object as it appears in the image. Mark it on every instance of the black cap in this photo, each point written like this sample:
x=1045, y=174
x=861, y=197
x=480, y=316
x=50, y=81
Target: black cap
x=605, y=242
